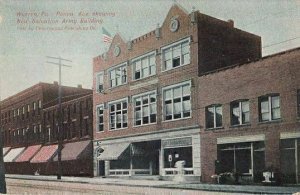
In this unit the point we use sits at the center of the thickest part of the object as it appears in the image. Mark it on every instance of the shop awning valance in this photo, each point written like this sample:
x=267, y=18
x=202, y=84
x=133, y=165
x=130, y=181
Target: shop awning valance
x=28, y=153
x=13, y=154
x=76, y=150
x=112, y=151
x=45, y=154
x=5, y=150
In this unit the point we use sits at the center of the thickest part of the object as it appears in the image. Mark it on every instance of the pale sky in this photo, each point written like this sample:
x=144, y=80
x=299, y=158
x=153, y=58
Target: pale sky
x=23, y=52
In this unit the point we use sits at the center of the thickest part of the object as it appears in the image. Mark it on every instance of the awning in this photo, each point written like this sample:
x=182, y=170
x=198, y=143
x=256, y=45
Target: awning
x=45, y=154
x=76, y=150
x=28, y=153
x=112, y=151
x=5, y=150
x=12, y=154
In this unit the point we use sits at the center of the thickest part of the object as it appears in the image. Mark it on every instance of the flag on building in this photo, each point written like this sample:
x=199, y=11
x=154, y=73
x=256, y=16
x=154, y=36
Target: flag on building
x=106, y=36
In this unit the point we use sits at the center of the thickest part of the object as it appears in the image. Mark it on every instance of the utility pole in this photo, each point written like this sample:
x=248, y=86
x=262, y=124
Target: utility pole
x=2, y=168
x=60, y=129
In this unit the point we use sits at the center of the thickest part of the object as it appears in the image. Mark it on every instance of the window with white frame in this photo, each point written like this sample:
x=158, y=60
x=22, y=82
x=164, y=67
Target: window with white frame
x=145, y=109
x=34, y=105
x=118, y=75
x=176, y=54
x=214, y=116
x=100, y=118
x=177, y=101
x=40, y=104
x=144, y=66
x=269, y=108
x=240, y=112
x=28, y=108
x=118, y=117
x=99, y=82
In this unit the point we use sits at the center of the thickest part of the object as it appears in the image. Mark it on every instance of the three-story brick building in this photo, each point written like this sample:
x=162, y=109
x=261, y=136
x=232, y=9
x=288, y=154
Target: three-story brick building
x=147, y=94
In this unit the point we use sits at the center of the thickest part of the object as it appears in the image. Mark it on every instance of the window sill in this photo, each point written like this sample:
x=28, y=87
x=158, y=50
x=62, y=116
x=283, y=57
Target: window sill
x=118, y=129
x=137, y=126
x=144, y=78
x=216, y=128
x=175, y=67
x=178, y=119
x=112, y=88
x=270, y=122
x=242, y=125
x=100, y=131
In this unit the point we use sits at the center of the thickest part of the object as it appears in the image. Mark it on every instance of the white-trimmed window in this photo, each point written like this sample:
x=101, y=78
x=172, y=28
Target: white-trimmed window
x=176, y=54
x=18, y=111
x=177, y=101
x=214, y=116
x=23, y=110
x=40, y=128
x=40, y=104
x=99, y=82
x=34, y=128
x=145, y=109
x=28, y=108
x=100, y=118
x=34, y=105
x=118, y=117
x=240, y=112
x=118, y=75
x=144, y=66
x=269, y=108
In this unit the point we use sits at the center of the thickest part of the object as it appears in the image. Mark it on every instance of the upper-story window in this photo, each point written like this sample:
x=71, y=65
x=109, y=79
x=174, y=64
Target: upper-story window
x=99, y=82
x=34, y=105
x=269, y=107
x=144, y=66
x=118, y=75
x=214, y=116
x=28, y=108
x=144, y=109
x=176, y=54
x=298, y=102
x=100, y=118
x=40, y=104
x=240, y=112
x=177, y=101
x=23, y=110
x=118, y=114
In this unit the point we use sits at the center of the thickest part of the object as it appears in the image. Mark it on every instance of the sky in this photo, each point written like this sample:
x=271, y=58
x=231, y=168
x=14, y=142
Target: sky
x=26, y=39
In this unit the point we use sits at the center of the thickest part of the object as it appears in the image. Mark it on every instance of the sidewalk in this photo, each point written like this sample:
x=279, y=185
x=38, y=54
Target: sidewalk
x=167, y=184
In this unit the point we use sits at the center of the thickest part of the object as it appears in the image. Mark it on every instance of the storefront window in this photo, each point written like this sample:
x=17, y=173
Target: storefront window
x=172, y=155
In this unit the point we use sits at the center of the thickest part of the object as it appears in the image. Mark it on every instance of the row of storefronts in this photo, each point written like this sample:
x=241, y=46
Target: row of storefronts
x=42, y=159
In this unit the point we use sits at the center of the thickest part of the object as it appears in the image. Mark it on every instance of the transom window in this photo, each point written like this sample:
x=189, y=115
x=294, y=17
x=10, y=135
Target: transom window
x=177, y=102
x=99, y=82
x=100, y=118
x=118, y=115
x=144, y=66
x=145, y=109
x=240, y=113
x=214, y=116
x=177, y=54
x=118, y=76
x=269, y=108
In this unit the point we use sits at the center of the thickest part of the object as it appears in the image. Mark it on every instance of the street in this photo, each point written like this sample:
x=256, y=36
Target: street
x=20, y=186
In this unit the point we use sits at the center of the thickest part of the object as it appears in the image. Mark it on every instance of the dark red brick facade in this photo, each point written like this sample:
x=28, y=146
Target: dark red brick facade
x=37, y=124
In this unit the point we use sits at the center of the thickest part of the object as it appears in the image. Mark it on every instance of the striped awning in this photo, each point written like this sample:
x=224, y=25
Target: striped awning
x=45, y=154
x=112, y=151
x=28, y=153
x=76, y=150
x=13, y=154
x=5, y=150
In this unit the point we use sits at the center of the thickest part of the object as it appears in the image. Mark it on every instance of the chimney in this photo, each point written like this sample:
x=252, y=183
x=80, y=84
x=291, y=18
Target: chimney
x=79, y=86
x=231, y=23
x=55, y=82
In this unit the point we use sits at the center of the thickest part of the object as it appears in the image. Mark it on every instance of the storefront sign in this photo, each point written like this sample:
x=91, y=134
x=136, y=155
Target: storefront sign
x=185, y=141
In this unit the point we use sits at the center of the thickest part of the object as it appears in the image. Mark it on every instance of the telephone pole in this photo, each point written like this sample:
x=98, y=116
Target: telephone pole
x=60, y=129
x=2, y=168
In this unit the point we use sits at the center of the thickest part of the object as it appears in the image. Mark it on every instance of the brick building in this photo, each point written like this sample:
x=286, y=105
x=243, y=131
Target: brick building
x=30, y=129
x=165, y=97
